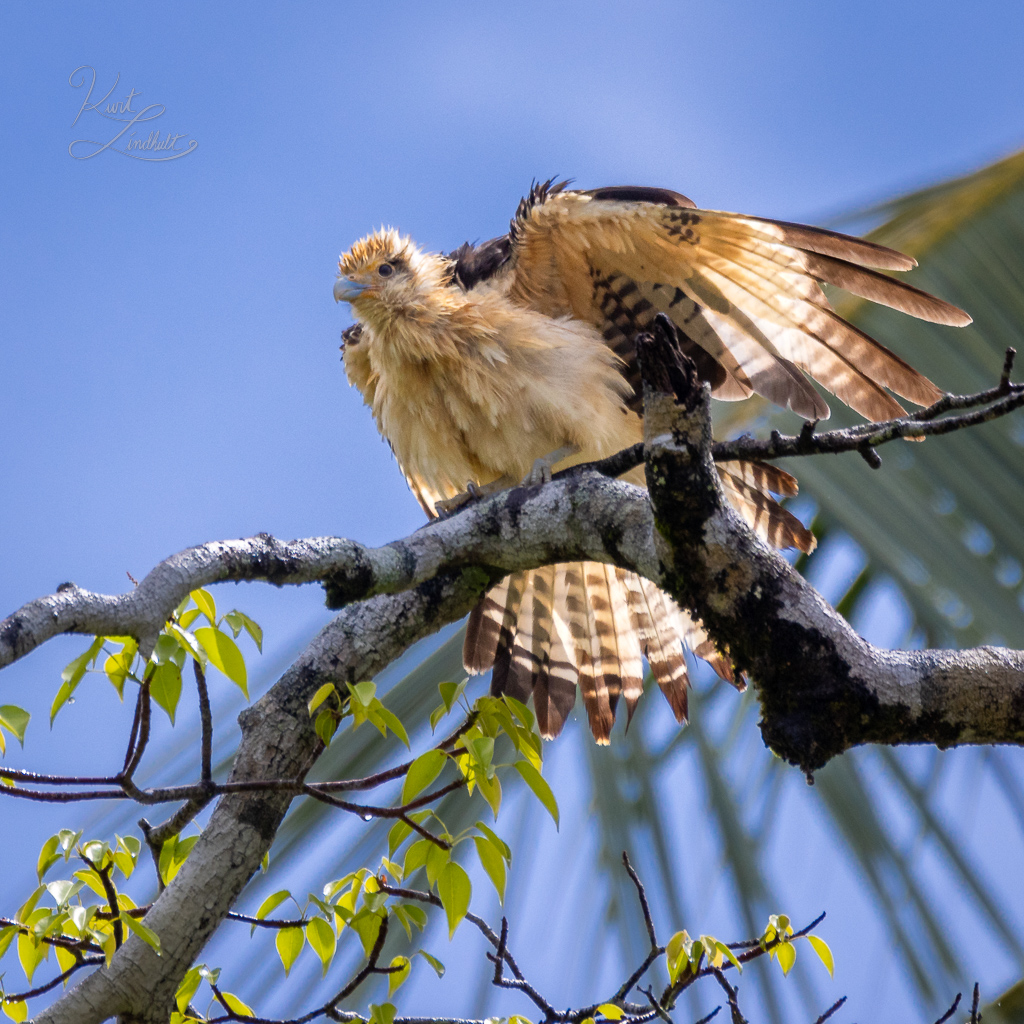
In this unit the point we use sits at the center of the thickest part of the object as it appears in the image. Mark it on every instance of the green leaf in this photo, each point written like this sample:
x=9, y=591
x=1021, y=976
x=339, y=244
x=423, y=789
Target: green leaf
x=165, y=687
x=235, y=1005
x=223, y=652
x=28, y=907
x=454, y=889
x=541, y=789
x=31, y=954
x=396, y=978
x=205, y=603
x=481, y=750
x=147, y=935
x=17, y=1011
x=7, y=935
x=252, y=628
x=416, y=914
x=167, y=649
x=14, y=720
x=366, y=924
x=72, y=676
x=383, y=1014
x=724, y=950
x=325, y=726
x=118, y=666
x=48, y=856
x=422, y=772
x=363, y=693
x=188, y=641
x=820, y=946
x=785, y=953
x=187, y=618
x=92, y=880
x=611, y=1011
x=493, y=863
x=391, y=720
x=525, y=715
x=187, y=989
x=271, y=903
x=678, y=954
x=397, y=834
x=320, y=696
x=62, y=890
x=289, y=945
x=173, y=854
x=450, y=692
x=437, y=858
x=416, y=857
x=320, y=935
x=500, y=844
x=490, y=788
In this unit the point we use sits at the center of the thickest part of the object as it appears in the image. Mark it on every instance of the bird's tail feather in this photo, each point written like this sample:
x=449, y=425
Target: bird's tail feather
x=586, y=625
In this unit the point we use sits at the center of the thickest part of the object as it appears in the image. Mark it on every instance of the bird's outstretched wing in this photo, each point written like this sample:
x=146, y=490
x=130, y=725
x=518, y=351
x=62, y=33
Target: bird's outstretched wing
x=745, y=292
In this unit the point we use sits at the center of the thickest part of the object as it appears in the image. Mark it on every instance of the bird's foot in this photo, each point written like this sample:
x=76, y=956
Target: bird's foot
x=473, y=492
x=540, y=473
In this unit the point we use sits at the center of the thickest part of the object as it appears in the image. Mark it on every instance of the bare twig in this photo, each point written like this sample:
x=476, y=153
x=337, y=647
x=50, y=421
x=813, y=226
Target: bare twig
x=20, y=997
x=864, y=438
x=832, y=1009
x=659, y=1010
x=643, y=900
x=206, y=719
x=730, y=992
x=949, y=1013
x=710, y=1016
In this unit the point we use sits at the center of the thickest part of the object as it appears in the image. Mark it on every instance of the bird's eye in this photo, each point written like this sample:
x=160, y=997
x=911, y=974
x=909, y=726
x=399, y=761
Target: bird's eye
x=385, y=270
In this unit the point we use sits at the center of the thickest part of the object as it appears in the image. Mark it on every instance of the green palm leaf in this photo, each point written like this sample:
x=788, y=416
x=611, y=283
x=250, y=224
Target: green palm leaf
x=943, y=517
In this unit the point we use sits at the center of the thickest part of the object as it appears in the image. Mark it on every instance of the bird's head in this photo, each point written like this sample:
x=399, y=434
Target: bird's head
x=386, y=273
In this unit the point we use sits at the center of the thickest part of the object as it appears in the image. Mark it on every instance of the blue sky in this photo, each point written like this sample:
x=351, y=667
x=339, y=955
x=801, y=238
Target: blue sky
x=169, y=367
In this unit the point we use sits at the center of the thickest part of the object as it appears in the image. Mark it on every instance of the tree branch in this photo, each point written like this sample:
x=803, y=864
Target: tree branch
x=822, y=688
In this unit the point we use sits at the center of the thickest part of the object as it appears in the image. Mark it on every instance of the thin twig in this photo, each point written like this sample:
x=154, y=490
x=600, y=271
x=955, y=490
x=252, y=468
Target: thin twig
x=64, y=941
x=658, y=1008
x=125, y=778
x=975, y=1015
x=1001, y=400
x=949, y=1013
x=368, y=967
x=737, y=1017
x=134, y=734
x=832, y=1009
x=206, y=720
x=643, y=900
x=111, y=894
x=712, y=1014
x=20, y=997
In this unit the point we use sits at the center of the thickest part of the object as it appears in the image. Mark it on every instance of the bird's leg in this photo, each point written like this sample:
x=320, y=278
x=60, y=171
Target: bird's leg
x=473, y=492
x=541, y=471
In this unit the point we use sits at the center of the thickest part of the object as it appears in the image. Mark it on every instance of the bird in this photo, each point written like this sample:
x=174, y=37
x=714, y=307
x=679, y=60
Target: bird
x=502, y=362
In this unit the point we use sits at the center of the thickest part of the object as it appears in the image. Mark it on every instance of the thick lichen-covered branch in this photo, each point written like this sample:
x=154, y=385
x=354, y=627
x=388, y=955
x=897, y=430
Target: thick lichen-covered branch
x=822, y=688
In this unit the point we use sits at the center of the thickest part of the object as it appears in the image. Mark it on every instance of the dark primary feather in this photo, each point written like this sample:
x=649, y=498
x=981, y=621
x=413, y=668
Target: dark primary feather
x=641, y=194
x=477, y=263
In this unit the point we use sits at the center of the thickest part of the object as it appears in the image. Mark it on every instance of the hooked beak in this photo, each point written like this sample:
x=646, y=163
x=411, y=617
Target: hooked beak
x=347, y=290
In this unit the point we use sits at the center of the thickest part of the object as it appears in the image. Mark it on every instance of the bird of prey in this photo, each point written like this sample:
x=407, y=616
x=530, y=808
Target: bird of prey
x=497, y=363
